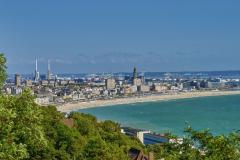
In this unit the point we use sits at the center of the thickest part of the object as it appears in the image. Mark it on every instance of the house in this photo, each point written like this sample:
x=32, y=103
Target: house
x=68, y=122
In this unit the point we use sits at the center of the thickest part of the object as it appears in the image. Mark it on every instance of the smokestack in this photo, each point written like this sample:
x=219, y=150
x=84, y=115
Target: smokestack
x=36, y=76
x=49, y=71
x=36, y=67
x=49, y=66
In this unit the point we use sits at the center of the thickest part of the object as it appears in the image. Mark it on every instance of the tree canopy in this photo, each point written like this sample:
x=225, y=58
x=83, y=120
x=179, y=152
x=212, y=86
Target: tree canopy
x=3, y=68
x=200, y=145
x=29, y=131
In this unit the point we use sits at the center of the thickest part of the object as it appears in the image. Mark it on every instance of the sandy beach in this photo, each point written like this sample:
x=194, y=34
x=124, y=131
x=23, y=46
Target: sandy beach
x=116, y=101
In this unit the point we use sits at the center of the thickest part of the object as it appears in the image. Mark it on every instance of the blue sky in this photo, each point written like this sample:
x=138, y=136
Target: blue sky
x=115, y=35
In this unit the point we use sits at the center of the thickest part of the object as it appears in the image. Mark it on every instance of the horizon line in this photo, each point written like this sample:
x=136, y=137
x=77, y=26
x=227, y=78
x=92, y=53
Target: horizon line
x=138, y=72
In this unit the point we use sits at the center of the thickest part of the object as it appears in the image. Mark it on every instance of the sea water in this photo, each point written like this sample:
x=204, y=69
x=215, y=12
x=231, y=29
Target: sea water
x=220, y=114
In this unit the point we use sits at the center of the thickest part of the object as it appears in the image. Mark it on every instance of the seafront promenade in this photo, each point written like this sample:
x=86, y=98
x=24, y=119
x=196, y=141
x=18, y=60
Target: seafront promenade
x=147, y=98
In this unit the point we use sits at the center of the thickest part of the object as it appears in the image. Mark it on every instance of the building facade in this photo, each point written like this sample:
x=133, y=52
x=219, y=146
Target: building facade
x=110, y=83
x=17, y=80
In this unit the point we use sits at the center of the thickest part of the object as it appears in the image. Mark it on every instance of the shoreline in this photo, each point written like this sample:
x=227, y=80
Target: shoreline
x=69, y=107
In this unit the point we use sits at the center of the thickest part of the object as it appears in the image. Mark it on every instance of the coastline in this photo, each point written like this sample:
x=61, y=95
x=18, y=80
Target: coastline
x=69, y=107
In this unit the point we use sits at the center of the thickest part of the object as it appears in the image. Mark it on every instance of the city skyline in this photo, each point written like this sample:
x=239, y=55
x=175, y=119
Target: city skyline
x=44, y=70
x=106, y=36
x=46, y=65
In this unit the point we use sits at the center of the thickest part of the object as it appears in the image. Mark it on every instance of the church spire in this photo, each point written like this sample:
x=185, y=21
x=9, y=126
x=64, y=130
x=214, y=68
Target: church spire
x=36, y=76
x=134, y=73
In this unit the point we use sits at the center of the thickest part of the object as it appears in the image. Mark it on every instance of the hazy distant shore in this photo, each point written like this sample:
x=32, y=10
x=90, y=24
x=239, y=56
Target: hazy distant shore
x=117, y=101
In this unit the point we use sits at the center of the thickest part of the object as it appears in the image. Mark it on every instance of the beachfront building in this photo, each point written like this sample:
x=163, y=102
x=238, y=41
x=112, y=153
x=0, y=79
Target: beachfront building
x=215, y=84
x=160, y=88
x=134, y=89
x=78, y=96
x=42, y=100
x=127, y=90
x=143, y=88
x=137, y=81
x=110, y=83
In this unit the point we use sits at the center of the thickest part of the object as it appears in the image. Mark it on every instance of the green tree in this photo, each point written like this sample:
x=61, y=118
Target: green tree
x=200, y=145
x=3, y=68
x=216, y=147
x=86, y=124
x=96, y=149
x=9, y=148
x=28, y=124
x=21, y=126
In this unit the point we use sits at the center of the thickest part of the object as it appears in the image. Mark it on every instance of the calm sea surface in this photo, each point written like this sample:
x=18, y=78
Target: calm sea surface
x=219, y=114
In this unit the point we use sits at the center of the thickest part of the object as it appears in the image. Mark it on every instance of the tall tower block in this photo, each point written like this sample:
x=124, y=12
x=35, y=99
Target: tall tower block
x=36, y=67
x=49, y=71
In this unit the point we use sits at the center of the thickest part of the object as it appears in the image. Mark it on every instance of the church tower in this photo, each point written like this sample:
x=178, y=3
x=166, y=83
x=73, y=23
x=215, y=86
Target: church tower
x=134, y=73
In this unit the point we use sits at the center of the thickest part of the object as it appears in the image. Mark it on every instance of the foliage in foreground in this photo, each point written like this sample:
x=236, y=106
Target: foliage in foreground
x=3, y=69
x=200, y=145
x=28, y=131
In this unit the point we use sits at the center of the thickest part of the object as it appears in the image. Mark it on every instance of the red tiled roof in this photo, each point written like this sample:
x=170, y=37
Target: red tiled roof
x=68, y=122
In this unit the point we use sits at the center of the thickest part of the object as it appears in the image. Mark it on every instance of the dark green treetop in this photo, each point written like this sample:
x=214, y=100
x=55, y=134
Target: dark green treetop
x=3, y=68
